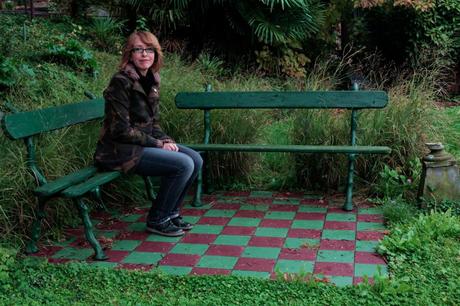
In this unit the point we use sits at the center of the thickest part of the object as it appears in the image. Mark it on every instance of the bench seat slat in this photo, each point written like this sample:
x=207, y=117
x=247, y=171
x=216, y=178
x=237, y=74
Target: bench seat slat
x=306, y=99
x=291, y=148
x=100, y=178
x=25, y=124
x=63, y=182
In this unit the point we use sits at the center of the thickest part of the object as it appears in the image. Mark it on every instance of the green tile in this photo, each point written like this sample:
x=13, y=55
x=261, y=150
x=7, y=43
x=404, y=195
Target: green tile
x=191, y=219
x=125, y=245
x=130, y=218
x=230, y=199
x=189, y=248
x=137, y=227
x=104, y=264
x=244, y=222
x=271, y=232
x=286, y=201
x=370, y=226
x=338, y=235
x=106, y=234
x=371, y=210
x=341, y=217
x=72, y=253
x=206, y=229
x=316, y=209
x=341, y=281
x=95, y=222
x=204, y=206
x=175, y=270
x=366, y=246
x=370, y=270
x=217, y=262
x=261, y=252
x=280, y=215
x=296, y=243
x=259, y=207
x=158, y=238
x=220, y=213
x=232, y=240
x=335, y=256
x=251, y=273
x=261, y=194
x=143, y=258
x=313, y=196
x=294, y=266
x=66, y=242
x=308, y=224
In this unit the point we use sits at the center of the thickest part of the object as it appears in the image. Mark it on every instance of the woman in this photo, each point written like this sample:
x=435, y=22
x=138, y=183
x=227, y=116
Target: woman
x=132, y=141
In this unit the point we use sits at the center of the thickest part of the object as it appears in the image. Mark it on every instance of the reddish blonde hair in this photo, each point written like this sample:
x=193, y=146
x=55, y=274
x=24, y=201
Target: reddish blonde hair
x=150, y=40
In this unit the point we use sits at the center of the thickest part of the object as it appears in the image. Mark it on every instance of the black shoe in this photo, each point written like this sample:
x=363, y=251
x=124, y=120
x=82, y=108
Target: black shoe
x=180, y=223
x=165, y=229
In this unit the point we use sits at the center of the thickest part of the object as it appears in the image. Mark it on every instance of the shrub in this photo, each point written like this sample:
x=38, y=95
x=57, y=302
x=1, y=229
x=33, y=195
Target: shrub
x=105, y=33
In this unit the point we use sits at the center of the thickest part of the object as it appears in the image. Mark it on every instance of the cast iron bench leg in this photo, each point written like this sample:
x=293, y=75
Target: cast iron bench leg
x=149, y=188
x=199, y=190
x=83, y=209
x=96, y=193
x=36, y=226
x=348, y=206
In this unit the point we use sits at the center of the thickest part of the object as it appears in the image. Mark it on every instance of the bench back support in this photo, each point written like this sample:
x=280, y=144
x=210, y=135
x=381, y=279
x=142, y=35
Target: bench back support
x=25, y=124
x=307, y=99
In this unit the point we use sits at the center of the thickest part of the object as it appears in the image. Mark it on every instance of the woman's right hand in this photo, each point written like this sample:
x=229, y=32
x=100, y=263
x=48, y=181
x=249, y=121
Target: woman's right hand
x=170, y=146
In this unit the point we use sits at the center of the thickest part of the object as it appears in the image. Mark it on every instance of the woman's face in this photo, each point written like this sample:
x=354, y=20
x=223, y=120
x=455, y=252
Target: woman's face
x=142, y=56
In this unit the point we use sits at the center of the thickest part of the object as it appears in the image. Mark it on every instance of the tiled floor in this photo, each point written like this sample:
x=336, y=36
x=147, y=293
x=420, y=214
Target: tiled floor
x=260, y=234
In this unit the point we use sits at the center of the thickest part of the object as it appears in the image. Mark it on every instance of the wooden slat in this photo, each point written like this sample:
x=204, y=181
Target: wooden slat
x=99, y=179
x=308, y=99
x=62, y=183
x=290, y=148
x=20, y=125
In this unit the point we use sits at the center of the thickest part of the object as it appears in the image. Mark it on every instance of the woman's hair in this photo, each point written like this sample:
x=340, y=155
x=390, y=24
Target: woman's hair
x=150, y=40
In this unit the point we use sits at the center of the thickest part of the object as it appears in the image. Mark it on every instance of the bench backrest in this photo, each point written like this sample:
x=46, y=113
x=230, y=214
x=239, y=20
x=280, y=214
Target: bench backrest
x=307, y=99
x=26, y=124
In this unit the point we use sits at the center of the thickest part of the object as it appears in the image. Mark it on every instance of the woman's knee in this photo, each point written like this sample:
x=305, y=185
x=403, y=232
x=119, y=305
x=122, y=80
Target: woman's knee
x=185, y=165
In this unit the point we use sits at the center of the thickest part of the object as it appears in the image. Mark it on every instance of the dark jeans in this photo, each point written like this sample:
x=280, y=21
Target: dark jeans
x=178, y=170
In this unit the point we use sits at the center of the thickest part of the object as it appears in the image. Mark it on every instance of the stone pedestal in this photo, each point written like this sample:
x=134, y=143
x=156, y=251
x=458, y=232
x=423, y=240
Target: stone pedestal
x=440, y=175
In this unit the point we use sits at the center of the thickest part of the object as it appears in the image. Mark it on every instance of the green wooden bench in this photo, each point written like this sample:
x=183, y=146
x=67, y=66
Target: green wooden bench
x=76, y=185
x=353, y=100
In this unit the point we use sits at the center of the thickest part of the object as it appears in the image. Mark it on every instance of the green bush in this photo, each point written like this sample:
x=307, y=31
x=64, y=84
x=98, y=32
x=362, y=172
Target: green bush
x=105, y=33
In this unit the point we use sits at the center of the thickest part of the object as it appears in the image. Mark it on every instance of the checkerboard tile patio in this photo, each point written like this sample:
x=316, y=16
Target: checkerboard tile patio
x=258, y=234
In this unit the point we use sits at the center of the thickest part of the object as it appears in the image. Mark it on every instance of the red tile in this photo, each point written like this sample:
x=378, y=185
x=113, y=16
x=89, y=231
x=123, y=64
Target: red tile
x=157, y=247
x=339, y=210
x=46, y=251
x=225, y=250
x=232, y=206
x=74, y=232
x=304, y=233
x=101, y=215
x=132, y=236
x=210, y=271
x=334, y=268
x=309, y=216
x=182, y=260
x=298, y=254
x=116, y=256
x=369, y=258
x=199, y=238
x=192, y=212
x=275, y=223
x=259, y=200
x=283, y=207
x=112, y=225
x=288, y=195
x=237, y=193
x=337, y=225
x=314, y=202
x=370, y=218
x=214, y=220
x=366, y=235
x=274, y=242
x=142, y=219
x=359, y=280
x=238, y=230
x=130, y=266
x=208, y=198
x=249, y=214
x=58, y=260
x=337, y=245
x=255, y=264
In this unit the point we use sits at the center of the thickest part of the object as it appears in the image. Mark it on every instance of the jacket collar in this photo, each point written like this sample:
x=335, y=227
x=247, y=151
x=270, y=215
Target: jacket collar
x=131, y=72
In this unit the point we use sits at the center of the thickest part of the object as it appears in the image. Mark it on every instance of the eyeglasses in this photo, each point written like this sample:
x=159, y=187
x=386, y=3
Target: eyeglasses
x=141, y=50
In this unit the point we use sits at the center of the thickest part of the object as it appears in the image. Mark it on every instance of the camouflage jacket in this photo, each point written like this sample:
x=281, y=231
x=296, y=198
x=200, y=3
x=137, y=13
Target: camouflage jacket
x=131, y=122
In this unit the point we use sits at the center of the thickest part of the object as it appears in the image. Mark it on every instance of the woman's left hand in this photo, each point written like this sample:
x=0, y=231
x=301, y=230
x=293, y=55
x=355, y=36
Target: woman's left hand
x=170, y=146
